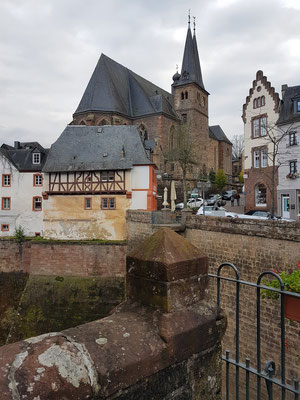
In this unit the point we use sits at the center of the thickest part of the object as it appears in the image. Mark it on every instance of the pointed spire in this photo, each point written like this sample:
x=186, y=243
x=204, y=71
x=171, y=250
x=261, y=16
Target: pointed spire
x=189, y=18
x=194, y=26
x=191, y=70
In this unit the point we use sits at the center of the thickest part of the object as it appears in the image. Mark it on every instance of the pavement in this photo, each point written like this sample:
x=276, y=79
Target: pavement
x=236, y=209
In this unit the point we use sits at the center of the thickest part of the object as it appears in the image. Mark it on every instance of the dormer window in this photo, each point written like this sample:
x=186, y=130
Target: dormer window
x=36, y=158
x=296, y=102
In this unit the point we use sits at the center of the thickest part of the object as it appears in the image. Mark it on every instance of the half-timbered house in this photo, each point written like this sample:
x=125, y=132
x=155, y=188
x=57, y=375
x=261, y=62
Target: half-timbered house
x=93, y=174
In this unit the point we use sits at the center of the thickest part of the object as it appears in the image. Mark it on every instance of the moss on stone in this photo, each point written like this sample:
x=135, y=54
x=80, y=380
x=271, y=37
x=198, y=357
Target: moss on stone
x=12, y=285
x=51, y=303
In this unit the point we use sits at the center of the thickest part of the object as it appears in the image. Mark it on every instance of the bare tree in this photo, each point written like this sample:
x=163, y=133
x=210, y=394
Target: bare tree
x=237, y=146
x=183, y=150
x=276, y=157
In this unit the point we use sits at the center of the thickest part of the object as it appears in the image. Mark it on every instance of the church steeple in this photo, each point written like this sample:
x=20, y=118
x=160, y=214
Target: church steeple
x=191, y=70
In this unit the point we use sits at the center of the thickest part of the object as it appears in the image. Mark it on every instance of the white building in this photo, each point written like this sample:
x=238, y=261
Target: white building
x=21, y=188
x=288, y=191
x=93, y=174
x=260, y=113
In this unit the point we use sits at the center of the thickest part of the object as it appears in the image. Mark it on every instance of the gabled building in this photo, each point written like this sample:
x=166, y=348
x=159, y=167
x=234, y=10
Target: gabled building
x=221, y=150
x=115, y=95
x=260, y=114
x=288, y=191
x=21, y=187
x=92, y=176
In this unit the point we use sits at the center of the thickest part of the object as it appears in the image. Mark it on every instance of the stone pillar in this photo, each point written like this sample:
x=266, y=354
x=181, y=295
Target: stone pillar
x=163, y=342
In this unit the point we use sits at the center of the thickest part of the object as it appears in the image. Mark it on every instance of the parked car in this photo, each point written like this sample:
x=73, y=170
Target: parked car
x=214, y=199
x=216, y=211
x=191, y=203
x=262, y=213
x=227, y=195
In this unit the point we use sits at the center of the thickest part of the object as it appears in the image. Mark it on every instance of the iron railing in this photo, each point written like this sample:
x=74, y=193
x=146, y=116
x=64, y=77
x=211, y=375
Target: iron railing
x=266, y=374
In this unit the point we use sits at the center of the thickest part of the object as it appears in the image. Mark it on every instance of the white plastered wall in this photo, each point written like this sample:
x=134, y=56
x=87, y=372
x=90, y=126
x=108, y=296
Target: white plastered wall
x=21, y=193
x=251, y=112
x=140, y=181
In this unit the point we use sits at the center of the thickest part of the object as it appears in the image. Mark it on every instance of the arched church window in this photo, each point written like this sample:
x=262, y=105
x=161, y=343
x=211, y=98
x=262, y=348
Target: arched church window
x=186, y=95
x=172, y=141
x=143, y=132
x=255, y=103
x=263, y=100
x=182, y=96
x=103, y=122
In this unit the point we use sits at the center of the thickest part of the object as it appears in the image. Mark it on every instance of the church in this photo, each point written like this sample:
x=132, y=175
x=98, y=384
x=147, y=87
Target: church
x=115, y=95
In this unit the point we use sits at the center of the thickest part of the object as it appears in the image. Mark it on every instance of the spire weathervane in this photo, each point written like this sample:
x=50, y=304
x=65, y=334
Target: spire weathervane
x=189, y=18
x=194, y=25
x=176, y=67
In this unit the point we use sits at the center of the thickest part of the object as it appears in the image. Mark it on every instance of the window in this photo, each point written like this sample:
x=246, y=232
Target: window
x=36, y=158
x=103, y=122
x=37, y=180
x=293, y=167
x=172, y=142
x=111, y=176
x=5, y=205
x=4, y=227
x=259, y=127
x=256, y=128
x=256, y=159
x=108, y=203
x=298, y=106
x=261, y=195
x=260, y=157
x=6, y=180
x=87, y=203
x=259, y=102
x=143, y=132
x=264, y=158
x=184, y=118
x=292, y=138
x=37, y=204
x=182, y=95
x=104, y=176
x=263, y=126
x=186, y=95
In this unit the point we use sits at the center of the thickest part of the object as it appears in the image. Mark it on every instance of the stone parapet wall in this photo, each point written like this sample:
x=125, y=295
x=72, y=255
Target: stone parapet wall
x=63, y=258
x=253, y=246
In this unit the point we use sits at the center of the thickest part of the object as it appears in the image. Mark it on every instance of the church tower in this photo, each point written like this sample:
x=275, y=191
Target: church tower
x=191, y=99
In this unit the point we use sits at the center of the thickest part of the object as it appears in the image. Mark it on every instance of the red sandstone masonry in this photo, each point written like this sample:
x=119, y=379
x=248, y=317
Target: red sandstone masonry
x=253, y=246
x=85, y=259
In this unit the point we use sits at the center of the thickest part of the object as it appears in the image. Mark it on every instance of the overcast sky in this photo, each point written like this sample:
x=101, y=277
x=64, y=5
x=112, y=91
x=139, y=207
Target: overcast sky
x=49, y=49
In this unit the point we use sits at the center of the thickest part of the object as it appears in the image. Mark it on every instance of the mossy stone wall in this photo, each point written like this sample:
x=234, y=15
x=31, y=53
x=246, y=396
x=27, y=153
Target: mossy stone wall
x=32, y=305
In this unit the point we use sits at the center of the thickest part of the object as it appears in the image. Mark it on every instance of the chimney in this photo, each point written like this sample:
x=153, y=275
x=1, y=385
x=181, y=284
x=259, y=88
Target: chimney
x=17, y=145
x=283, y=89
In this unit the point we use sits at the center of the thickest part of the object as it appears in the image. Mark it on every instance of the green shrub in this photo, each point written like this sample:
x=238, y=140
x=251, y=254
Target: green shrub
x=19, y=234
x=291, y=284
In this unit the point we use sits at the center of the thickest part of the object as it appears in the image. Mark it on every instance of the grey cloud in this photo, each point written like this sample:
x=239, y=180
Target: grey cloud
x=48, y=51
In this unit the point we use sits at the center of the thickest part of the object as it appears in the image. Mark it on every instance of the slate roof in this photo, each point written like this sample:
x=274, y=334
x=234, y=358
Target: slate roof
x=94, y=148
x=191, y=70
x=216, y=132
x=21, y=155
x=287, y=114
x=115, y=88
